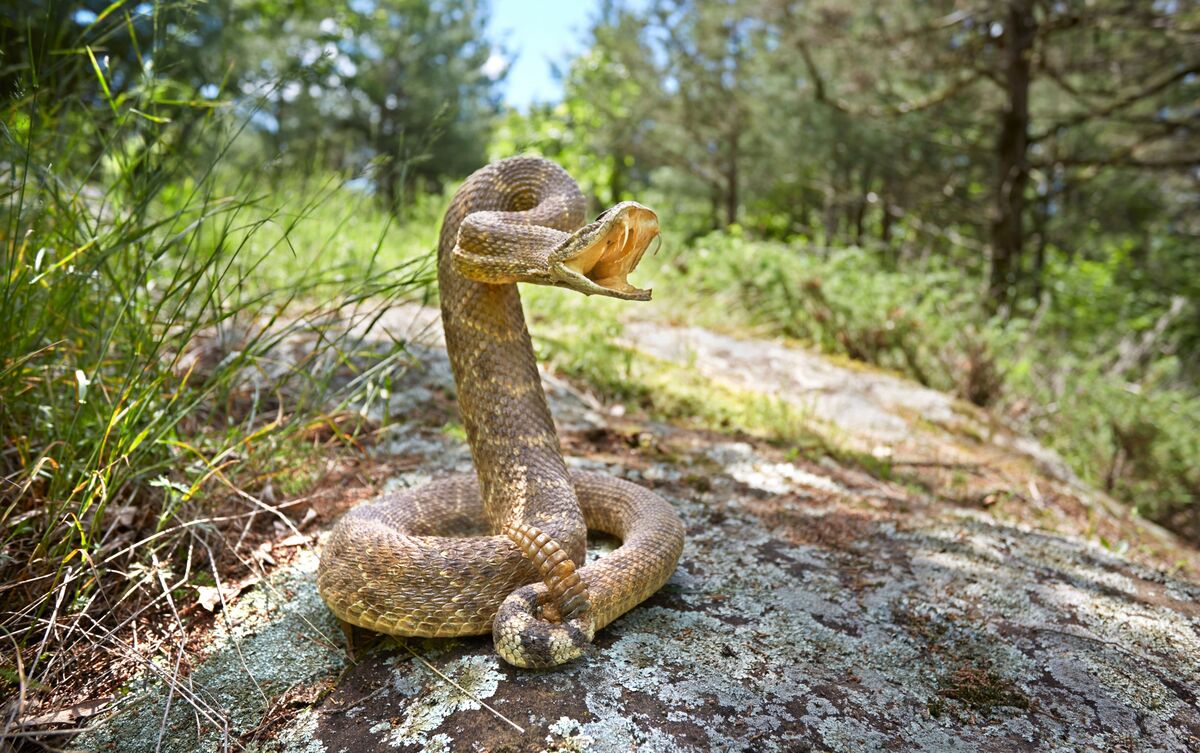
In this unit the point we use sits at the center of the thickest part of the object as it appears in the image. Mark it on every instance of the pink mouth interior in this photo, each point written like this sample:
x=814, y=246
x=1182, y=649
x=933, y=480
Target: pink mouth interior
x=609, y=261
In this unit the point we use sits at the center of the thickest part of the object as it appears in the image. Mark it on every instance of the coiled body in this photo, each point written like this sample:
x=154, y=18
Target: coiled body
x=440, y=560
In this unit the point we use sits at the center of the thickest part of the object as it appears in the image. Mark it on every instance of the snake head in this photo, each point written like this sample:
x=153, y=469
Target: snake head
x=597, y=258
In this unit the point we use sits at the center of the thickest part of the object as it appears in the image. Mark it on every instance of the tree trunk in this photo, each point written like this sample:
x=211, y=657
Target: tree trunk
x=832, y=220
x=731, y=179
x=886, y=218
x=1012, y=167
x=866, y=180
x=1041, y=222
x=797, y=212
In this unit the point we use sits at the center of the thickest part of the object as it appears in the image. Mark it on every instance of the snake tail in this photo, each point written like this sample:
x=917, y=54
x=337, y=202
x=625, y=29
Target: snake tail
x=566, y=593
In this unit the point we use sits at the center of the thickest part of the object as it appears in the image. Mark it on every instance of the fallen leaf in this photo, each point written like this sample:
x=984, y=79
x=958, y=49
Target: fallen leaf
x=210, y=597
x=262, y=553
x=309, y=516
x=296, y=539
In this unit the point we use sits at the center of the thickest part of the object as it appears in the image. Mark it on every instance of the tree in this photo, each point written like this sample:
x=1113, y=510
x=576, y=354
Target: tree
x=705, y=126
x=1026, y=73
x=397, y=81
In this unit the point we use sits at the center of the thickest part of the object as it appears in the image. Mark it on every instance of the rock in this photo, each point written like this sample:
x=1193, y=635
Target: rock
x=816, y=608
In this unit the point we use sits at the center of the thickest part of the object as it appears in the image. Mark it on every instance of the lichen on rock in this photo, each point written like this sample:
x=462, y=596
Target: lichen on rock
x=475, y=678
x=815, y=608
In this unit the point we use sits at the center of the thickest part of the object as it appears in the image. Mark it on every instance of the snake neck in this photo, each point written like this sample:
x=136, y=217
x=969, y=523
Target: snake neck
x=514, y=445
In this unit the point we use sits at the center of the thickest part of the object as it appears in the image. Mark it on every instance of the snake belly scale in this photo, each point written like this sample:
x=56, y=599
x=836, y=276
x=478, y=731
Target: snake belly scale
x=502, y=551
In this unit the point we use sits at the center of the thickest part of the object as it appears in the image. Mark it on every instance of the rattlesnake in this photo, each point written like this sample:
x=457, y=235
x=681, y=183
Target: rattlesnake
x=463, y=555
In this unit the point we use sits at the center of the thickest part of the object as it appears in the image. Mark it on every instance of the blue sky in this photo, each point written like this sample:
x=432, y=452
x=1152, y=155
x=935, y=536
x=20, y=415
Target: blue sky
x=537, y=33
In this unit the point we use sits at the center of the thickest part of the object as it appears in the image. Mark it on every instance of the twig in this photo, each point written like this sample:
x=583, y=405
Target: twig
x=263, y=506
x=254, y=567
x=43, y=733
x=971, y=467
x=347, y=706
x=159, y=535
x=1131, y=354
x=237, y=643
x=19, y=708
x=198, y=703
x=162, y=729
x=463, y=690
x=53, y=622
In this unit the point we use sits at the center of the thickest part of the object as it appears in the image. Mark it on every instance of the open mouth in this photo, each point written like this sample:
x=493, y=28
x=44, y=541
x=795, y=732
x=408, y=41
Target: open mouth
x=611, y=252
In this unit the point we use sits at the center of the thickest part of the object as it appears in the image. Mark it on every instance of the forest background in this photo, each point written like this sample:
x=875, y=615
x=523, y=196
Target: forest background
x=997, y=199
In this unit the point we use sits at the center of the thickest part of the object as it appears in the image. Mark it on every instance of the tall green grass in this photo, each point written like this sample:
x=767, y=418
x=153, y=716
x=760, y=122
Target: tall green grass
x=168, y=335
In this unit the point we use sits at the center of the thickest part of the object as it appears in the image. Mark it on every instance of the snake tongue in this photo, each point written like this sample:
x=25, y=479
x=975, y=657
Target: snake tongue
x=604, y=253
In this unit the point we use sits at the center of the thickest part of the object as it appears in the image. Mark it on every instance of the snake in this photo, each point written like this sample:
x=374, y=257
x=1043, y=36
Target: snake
x=503, y=549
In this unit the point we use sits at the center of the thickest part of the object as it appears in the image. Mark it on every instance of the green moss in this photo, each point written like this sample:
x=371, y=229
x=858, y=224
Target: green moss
x=980, y=689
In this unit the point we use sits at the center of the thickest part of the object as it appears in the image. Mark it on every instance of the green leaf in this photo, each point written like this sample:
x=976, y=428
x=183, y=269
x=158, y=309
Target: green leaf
x=103, y=82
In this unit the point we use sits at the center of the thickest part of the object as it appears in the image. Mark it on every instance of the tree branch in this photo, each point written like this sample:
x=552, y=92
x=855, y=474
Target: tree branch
x=941, y=23
x=1165, y=163
x=1120, y=103
x=820, y=94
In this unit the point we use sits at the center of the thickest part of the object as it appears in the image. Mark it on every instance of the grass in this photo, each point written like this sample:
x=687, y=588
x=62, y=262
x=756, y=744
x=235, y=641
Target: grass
x=339, y=236
x=180, y=347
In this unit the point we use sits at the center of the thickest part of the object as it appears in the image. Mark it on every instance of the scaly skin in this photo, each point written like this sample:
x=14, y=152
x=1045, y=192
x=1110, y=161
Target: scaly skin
x=405, y=565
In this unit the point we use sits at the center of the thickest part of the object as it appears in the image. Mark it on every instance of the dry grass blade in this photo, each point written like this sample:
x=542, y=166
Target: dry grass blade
x=14, y=710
